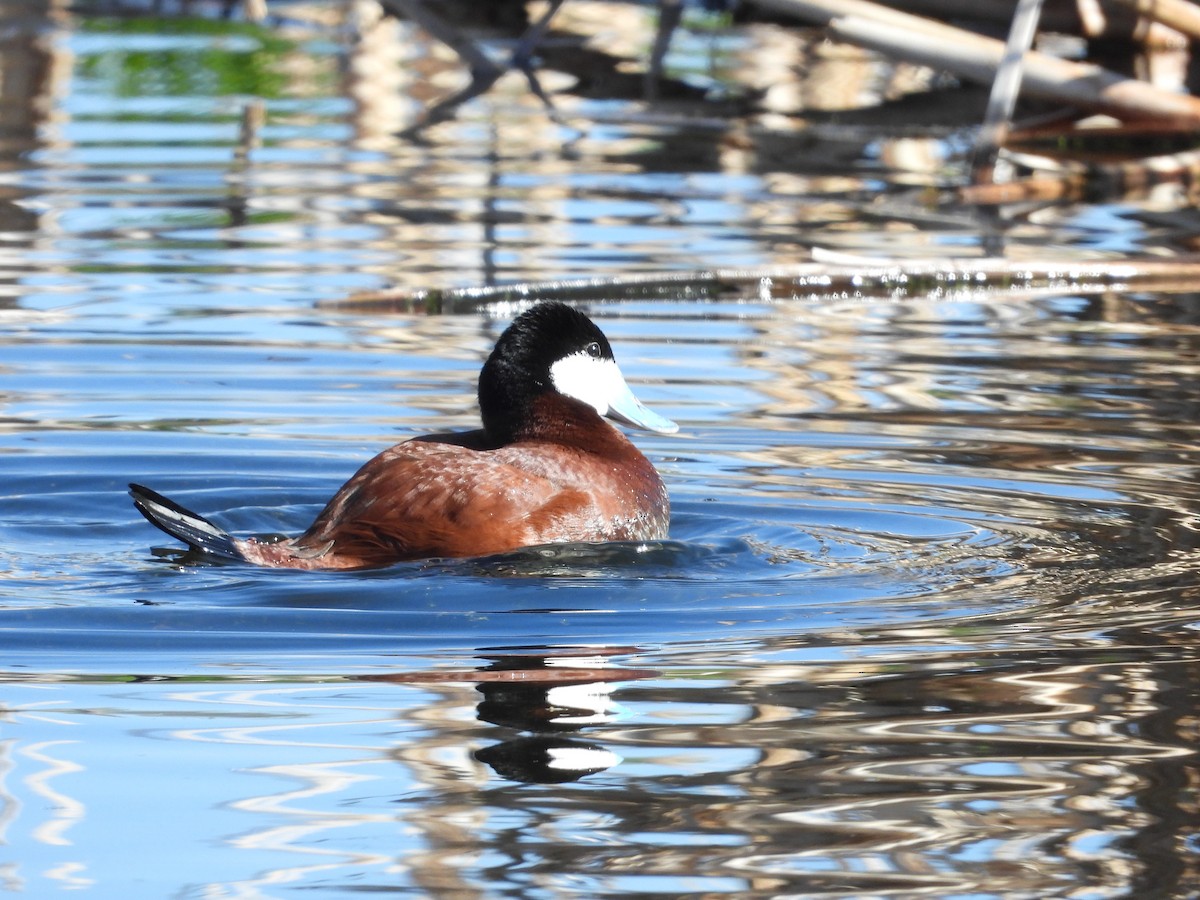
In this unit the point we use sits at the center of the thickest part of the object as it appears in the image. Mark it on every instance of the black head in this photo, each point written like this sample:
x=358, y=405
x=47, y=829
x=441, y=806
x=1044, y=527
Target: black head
x=555, y=347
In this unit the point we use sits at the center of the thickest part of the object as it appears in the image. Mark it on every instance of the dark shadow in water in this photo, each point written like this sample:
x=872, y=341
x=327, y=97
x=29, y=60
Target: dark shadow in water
x=548, y=750
x=641, y=559
x=616, y=559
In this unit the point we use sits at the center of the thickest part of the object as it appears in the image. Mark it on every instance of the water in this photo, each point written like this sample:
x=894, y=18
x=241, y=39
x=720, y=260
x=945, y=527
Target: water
x=926, y=623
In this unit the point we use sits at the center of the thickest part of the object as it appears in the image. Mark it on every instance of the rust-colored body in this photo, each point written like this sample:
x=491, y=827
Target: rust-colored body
x=545, y=468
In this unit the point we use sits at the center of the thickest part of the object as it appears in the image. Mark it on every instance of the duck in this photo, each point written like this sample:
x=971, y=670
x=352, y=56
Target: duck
x=546, y=467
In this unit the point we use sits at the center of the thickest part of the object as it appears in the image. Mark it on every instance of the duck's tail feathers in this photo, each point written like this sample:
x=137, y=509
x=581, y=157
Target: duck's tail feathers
x=196, y=531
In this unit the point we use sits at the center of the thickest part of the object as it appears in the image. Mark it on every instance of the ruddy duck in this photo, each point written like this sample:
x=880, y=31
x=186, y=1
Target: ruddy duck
x=544, y=468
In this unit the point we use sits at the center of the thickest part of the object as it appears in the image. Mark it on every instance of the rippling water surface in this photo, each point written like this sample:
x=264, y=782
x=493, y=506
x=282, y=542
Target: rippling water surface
x=926, y=623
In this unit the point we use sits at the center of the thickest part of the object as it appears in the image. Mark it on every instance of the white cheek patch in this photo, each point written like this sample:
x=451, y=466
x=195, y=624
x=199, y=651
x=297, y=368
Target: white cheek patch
x=599, y=384
x=596, y=382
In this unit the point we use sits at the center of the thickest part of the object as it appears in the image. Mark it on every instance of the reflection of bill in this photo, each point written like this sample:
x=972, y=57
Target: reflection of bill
x=541, y=759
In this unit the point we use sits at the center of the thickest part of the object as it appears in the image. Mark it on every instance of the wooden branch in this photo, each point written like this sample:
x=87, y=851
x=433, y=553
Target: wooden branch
x=839, y=280
x=977, y=58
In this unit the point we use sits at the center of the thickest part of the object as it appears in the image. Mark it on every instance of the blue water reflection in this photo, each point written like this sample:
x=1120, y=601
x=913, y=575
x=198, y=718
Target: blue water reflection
x=925, y=622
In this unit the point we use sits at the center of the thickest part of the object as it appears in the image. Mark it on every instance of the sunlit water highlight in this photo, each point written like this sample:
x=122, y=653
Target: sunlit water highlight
x=925, y=623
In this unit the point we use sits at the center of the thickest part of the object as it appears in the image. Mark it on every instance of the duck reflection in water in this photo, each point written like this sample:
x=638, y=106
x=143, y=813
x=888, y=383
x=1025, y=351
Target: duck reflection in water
x=548, y=704
x=548, y=700
x=545, y=468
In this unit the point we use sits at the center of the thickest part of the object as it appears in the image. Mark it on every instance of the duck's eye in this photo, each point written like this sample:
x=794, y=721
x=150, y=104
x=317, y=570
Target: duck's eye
x=593, y=350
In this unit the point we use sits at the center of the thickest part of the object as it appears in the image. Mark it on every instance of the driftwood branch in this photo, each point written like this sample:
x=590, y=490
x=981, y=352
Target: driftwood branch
x=977, y=58
x=840, y=279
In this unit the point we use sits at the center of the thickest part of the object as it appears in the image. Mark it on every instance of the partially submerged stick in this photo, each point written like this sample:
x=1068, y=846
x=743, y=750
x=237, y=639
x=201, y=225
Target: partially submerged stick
x=1005, y=87
x=840, y=279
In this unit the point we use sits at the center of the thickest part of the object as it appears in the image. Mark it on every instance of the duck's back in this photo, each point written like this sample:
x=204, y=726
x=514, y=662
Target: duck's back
x=430, y=498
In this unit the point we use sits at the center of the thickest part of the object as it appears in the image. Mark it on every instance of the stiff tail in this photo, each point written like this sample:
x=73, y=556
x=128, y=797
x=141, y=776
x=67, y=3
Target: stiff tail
x=196, y=531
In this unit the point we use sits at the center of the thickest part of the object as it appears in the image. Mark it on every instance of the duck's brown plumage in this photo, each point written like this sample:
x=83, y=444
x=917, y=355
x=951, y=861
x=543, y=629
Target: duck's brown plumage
x=547, y=468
